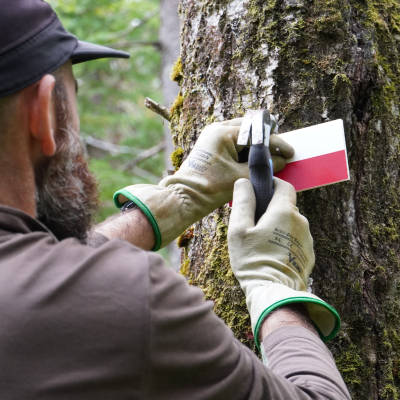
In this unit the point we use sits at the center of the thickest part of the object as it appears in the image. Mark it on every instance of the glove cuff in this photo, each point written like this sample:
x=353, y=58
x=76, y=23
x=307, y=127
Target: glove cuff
x=262, y=300
x=314, y=306
x=145, y=210
x=170, y=210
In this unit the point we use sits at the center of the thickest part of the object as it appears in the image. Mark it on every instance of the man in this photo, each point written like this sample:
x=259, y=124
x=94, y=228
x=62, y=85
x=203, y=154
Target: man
x=97, y=316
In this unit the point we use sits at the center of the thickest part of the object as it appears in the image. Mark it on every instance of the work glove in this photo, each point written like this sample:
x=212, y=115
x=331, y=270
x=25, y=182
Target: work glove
x=203, y=183
x=274, y=259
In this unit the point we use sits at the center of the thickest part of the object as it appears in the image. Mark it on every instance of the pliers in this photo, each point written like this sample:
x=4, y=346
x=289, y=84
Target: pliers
x=257, y=126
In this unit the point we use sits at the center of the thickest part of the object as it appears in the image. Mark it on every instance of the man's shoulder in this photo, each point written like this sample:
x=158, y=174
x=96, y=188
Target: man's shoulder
x=39, y=258
x=43, y=247
x=67, y=307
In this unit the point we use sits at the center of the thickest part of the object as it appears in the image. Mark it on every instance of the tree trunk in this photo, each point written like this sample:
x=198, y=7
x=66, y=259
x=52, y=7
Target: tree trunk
x=309, y=62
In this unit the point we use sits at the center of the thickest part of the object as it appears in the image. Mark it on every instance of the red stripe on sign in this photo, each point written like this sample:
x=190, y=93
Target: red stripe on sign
x=316, y=171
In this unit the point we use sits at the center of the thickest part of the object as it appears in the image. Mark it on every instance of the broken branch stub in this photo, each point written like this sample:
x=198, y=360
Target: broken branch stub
x=157, y=108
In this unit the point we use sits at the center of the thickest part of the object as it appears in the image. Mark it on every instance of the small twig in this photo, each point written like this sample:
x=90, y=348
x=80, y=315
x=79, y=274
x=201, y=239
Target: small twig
x=157, y=108
x=139, y=23
x=144, y=156
x=167, y=173
x=110, y=147
x=132, y=165
x=130, y=43
x=142, y=173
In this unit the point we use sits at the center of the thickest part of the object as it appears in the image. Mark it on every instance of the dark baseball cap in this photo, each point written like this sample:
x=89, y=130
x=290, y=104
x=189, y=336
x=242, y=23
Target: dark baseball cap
x=34, y=43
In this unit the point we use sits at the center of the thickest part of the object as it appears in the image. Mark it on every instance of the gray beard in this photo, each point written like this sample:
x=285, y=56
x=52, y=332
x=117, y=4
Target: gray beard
x=66, y=191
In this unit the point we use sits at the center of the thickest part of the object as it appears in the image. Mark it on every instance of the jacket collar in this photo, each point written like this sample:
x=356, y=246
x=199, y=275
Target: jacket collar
x=14, y=221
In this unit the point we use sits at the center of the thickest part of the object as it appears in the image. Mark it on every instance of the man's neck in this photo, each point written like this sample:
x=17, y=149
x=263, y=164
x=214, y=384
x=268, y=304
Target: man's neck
x=17, y=188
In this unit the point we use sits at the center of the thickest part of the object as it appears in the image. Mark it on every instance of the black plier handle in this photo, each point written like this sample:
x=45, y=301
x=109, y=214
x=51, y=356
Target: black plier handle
x=258, y=125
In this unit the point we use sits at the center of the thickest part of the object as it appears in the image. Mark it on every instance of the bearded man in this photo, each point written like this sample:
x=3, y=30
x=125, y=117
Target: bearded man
x=97, y=316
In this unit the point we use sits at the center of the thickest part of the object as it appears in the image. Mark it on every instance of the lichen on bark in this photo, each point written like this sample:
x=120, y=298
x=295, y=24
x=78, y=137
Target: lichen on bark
x=310, y=61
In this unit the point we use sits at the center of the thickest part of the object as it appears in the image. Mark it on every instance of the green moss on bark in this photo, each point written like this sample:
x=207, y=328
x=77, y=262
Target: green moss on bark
x=177, y=158
x=352, y=366
x=176, y=106
x=177, y=71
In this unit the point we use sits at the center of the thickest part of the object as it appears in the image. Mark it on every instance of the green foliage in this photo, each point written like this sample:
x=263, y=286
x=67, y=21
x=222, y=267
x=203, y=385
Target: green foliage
x=120, y=179
x=112, y=91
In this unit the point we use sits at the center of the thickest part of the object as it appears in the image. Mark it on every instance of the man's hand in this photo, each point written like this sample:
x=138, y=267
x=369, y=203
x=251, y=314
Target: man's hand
x=274, y=259
x=203, y=183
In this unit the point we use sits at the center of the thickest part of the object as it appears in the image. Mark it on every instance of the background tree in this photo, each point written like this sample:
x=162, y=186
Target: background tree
x=169, y=39
x=125, y=139
x=115, y=123
x=309, y=61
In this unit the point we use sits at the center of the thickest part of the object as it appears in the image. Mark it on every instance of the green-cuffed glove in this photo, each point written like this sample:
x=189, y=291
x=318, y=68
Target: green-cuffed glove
x=274, y=259
x=203, y=183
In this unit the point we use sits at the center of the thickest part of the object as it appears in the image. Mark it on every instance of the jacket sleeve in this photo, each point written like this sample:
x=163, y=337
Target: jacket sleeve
x=192, y=354
x=95, y=239
x=302, y=358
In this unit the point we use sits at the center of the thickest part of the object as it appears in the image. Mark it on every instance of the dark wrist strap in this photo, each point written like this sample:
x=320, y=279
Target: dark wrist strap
x=130, y=205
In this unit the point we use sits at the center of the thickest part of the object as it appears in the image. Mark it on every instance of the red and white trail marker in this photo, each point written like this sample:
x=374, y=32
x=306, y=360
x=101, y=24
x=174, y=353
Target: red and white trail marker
x=320, y=158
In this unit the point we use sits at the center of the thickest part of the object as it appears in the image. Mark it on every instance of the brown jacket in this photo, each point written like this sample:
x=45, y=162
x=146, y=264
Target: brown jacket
x=115, y=323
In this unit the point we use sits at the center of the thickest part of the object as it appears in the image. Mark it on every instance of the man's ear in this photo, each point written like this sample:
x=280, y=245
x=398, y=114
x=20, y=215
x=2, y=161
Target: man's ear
x=42, y=116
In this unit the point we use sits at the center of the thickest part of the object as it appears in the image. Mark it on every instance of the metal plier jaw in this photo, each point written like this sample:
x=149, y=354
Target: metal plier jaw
x=256, y=128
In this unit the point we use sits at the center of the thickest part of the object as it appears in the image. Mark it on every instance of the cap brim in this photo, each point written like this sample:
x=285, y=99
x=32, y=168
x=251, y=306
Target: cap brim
x=85, y=51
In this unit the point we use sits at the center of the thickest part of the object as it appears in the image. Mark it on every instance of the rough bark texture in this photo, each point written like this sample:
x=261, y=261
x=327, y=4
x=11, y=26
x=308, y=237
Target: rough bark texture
x=309, y=61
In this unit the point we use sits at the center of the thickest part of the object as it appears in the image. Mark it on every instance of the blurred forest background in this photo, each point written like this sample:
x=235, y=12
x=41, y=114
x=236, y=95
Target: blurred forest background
x=115, y=124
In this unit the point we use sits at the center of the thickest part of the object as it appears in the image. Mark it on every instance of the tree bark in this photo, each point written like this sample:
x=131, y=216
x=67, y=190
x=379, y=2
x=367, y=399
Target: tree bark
x=309, y=61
